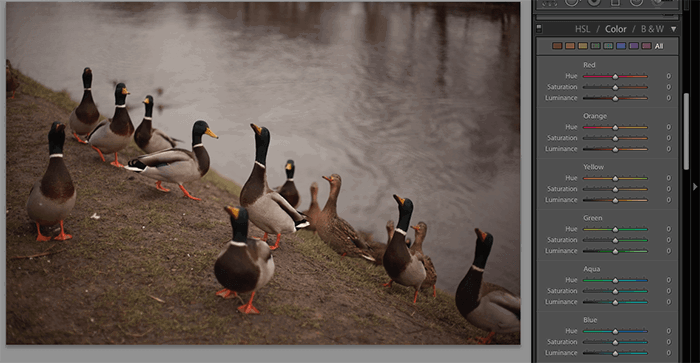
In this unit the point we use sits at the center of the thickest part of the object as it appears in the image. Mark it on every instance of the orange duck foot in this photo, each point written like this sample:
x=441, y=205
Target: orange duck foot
x=78, y=138
x=187, y=194
x=277, y=243
x=63, y=235
x=226, y=294
x=116, y=162
x=434, y=294
x=99, y=152
x=415, y=296
x=249, y=308
x=388, y=284
x=40, y=237
x=160, y=187
x=486, y=339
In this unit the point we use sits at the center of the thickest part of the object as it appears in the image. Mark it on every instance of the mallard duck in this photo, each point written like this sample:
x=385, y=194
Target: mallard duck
x=245, y=264
x=84, y=118
x=266, y=208
x=111, y=136
x=390, y=233
x=288, y=190
x=313, y=211
x=402, y=265
x=176, y=165
x=11, y=82
x=150, y=139
x=52, y=197
x=486, y=306
x=431, y=275
x=336, y=231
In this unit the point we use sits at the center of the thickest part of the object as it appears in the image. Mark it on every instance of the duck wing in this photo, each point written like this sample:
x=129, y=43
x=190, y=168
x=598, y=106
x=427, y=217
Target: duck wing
x=168, y=156
x=284, y=204
x=505, y=300
x=160, y=134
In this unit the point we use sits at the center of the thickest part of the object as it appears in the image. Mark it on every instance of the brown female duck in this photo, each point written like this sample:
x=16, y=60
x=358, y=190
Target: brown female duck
x=11, y=82
x=313, y=211
x=337, y=232
x=431, y=275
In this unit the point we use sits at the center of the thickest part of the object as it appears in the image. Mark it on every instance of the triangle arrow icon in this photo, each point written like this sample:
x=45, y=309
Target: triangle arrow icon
x=673, y=28
x=695, y=186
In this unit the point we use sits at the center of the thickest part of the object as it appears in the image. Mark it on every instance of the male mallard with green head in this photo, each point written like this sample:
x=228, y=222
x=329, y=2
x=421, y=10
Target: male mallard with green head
x=431, y=275
x=245, y=264
x=176, y=165
x=288, y=190
x=84, y=118
x=267, y=209
x=53, y=196
x=402, y=265
x=148, y=138
x=111, y=136
x=486, y=306
x=336, y=231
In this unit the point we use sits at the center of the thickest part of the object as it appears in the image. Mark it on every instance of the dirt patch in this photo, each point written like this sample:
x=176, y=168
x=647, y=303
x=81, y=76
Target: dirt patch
x=143, y=272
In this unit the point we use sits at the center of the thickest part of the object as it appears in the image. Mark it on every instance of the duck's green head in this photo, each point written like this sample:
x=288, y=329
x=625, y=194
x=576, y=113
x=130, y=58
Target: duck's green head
x=148, y=101
x=239, y=222
x=262, y=143
x=57, y=136
x=484, y=242
x=405, y=211
x=87, y=77
x=120, y=94
x=289, y=169
x=200, y=128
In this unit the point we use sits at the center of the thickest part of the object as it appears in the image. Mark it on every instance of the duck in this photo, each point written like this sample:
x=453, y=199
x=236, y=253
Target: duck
x=288, y=190
x=176, y=165
x=245, y=264
x=404, y=266
x=487, y=306
x=336, y=231
x=11, y=82
x=84, y=118
x=150, y=139
x=267, y=209
x=431, y=275
x=111, y=136
x=313, y=211
x=53, y=196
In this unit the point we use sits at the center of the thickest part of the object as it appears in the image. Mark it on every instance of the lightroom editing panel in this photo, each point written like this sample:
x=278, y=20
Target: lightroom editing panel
x=612, y=183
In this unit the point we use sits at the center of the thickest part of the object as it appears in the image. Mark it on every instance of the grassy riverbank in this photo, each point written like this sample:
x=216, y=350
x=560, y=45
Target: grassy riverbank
x=142, y=273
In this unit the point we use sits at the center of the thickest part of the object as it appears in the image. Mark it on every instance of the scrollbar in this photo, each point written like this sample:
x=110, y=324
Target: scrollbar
x=686, y=131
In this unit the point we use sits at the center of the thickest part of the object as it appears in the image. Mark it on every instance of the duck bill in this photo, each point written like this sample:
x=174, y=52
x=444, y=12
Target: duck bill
x=125, y=92
x=146, y=101
x=288, y=166
x=211, y=133
x=399, y=199
x=480, y=234
x=256, y=128
x=232, y=211
x=328, y=178
x=416, y=227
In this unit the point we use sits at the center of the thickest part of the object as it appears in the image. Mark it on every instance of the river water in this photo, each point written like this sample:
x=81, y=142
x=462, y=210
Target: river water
x=418, y=100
